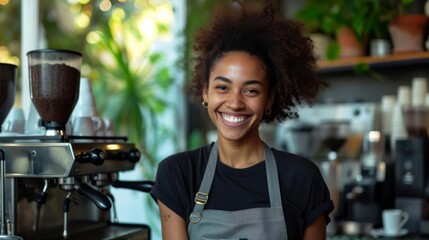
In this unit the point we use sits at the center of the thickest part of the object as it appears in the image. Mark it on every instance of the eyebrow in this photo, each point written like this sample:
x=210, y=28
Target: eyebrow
x=248, y=82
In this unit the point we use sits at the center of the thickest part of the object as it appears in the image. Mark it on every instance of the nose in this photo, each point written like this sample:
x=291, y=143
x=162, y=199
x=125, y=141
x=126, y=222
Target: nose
x=235, y=101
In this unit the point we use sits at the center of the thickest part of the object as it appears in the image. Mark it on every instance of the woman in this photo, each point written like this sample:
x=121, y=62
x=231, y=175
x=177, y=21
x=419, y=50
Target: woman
x=252, y=67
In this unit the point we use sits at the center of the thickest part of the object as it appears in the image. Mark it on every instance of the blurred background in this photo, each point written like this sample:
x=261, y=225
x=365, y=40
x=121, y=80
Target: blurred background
x=136, y=56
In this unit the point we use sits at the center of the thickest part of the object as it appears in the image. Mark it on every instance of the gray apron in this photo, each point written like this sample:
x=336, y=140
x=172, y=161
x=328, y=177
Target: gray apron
x=247, y=224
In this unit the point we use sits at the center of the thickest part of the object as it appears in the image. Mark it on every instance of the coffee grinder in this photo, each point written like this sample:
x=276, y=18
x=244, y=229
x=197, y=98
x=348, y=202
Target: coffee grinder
x=7, y=88
x=363, y=200
x=412, y=169
x=54, y=82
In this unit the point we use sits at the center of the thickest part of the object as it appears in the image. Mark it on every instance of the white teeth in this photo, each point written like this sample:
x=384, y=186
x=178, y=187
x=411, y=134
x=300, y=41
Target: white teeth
x=233, y=119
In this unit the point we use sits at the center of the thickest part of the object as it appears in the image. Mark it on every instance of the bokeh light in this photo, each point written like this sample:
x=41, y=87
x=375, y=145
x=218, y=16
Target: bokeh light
x=93, y=37
x=6, y=56
x=105, y=5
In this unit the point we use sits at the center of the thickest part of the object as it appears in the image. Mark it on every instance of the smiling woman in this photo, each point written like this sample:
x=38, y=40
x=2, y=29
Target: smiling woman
x=252, y=67
x=237, y=97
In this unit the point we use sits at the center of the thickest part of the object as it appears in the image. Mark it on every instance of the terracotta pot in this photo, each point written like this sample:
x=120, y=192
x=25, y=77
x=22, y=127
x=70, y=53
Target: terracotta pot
x=407, y=32
x=348, y=43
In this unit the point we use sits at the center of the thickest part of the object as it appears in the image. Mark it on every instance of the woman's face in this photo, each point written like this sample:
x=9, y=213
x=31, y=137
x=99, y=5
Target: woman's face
x=237, y=95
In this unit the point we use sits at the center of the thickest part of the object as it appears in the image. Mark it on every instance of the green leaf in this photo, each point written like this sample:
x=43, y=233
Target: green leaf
x=333, y=51
x=361, y=68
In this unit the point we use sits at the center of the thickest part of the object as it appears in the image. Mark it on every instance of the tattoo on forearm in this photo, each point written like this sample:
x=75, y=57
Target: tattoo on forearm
x=166, y=217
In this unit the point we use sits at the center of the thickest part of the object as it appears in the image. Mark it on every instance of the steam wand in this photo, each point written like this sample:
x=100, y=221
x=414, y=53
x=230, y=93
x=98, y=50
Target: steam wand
x=40, y=201
x=2, y=194
x=66, y=209
x=2, y=198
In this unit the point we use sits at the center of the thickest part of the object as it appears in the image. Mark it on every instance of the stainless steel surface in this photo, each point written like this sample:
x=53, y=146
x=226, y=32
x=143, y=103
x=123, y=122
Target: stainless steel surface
x=10, y=237
x=56, y=159
x=42, y=160
x=87, y=230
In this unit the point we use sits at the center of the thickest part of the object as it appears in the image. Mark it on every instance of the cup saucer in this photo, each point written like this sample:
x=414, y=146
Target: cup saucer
x=380, y=233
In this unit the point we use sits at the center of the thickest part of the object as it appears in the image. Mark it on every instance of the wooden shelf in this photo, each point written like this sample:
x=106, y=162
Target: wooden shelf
x=393, y=60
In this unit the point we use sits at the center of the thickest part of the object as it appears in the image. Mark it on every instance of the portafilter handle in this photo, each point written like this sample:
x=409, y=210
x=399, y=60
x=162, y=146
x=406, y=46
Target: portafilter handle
x=99, y=199
x=143, y=186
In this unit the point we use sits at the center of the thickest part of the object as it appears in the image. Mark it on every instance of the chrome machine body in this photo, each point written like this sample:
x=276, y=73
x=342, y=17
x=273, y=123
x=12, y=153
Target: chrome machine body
x=60, y=190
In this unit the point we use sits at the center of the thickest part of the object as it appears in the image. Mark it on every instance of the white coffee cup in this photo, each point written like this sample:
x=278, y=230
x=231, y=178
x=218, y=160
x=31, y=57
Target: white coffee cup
x=32, y=126
x=404, y=95
x=85, y=105
x=418, y=91
x=15, y=121
x=108, y=127
x=14, y=126
x=393, y=221
x=98, y=126
x=387, y=104
x=83, y=126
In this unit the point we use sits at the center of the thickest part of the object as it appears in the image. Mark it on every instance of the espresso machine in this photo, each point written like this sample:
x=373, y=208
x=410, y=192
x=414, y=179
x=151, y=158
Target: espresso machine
x=412, y=169
x=56, y=186
x=333, y=136
x=363, y=200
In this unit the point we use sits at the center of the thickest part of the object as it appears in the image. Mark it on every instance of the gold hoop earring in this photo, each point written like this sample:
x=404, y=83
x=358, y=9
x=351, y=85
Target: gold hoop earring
x=268, y=111
x=205, y=104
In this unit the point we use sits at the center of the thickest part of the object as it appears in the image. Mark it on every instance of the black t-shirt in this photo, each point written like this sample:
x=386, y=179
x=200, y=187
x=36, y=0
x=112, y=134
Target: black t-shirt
x=303, y=190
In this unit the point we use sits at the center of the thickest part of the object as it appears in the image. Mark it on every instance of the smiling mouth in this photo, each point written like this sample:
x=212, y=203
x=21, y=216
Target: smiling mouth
x=233, y=119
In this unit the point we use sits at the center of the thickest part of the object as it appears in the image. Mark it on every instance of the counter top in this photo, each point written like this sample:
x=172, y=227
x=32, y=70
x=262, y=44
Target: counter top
x=408, y=237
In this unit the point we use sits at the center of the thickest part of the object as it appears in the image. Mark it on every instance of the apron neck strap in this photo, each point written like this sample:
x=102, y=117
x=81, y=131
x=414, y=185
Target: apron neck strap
x=202, y=195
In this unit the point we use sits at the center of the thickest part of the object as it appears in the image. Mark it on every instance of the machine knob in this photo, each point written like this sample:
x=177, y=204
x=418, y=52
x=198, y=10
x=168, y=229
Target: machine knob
x=96, y=156
x=133, y=155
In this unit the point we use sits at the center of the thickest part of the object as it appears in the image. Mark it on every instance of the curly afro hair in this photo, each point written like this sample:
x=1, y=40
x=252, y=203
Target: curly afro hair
x=277, y=42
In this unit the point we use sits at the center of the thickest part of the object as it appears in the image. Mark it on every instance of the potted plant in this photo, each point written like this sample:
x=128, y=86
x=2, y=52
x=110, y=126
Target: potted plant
x=378, y=33
x=351, y=34
x=320, y=25
x=406, y=29
x=368, y=20
x=350, y=22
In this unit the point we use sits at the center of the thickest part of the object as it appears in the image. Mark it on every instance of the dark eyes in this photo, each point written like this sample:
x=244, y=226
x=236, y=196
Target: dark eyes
x=221, y=88
x=247, y=91
x=252, y=91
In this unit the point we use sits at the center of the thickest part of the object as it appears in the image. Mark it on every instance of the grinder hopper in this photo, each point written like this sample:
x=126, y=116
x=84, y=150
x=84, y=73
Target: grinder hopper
x=54, y=86
x=7, y=89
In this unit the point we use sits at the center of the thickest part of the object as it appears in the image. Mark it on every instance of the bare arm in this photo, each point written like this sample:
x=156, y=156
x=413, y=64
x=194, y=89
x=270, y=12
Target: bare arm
x=317, y=230
x=173, y=226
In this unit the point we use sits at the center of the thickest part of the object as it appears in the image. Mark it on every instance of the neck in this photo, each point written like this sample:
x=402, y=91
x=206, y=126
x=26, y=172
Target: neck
x=239, y=154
